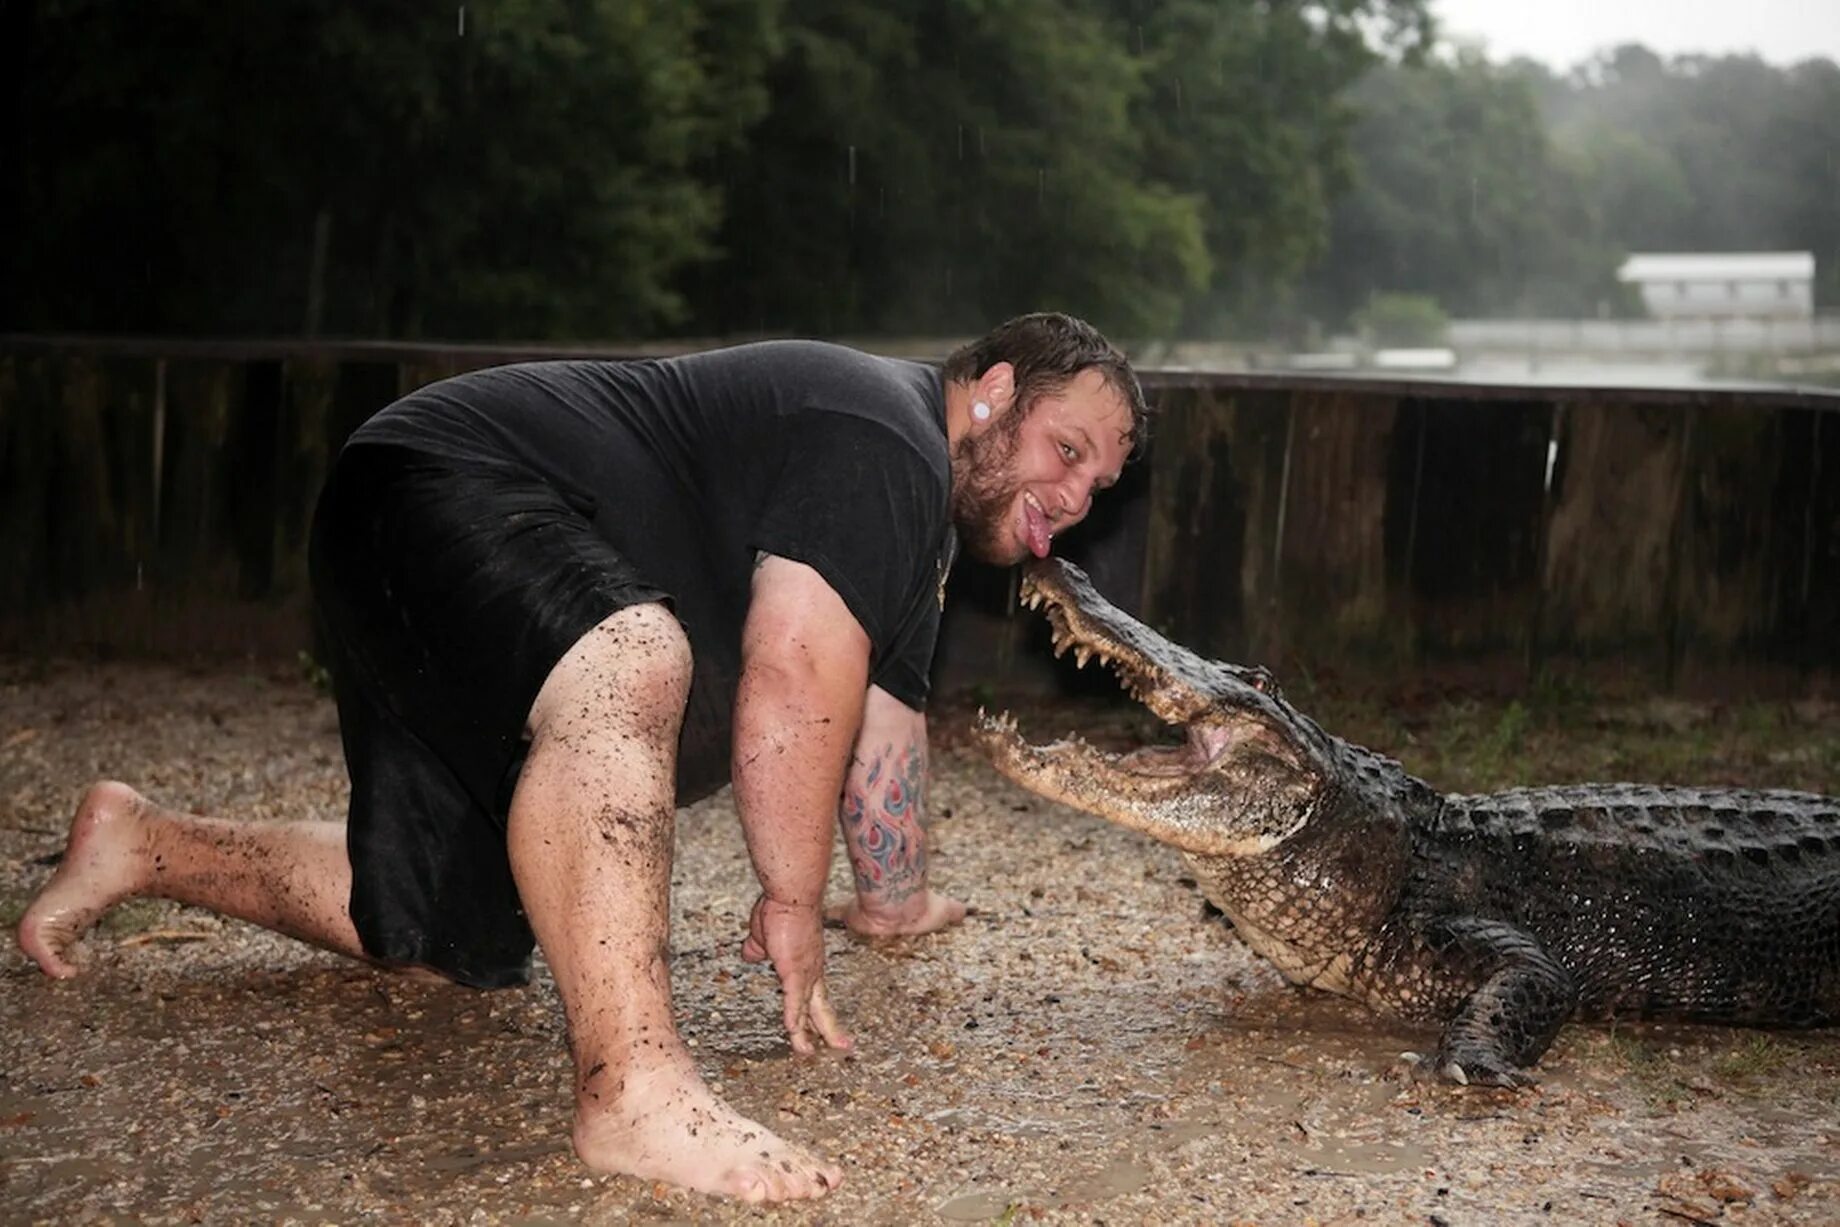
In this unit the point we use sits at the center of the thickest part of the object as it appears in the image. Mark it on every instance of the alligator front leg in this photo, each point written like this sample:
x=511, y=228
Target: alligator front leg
x=1511, y=1018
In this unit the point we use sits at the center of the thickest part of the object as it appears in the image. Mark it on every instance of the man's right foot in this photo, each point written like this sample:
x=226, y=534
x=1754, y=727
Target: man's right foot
x=664, y=1124
x=104, y=862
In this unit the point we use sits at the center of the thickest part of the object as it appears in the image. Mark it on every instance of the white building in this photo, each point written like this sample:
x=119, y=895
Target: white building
x=1724, y=285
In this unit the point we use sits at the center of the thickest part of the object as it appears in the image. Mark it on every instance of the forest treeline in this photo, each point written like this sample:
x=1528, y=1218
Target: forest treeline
x=557, y=169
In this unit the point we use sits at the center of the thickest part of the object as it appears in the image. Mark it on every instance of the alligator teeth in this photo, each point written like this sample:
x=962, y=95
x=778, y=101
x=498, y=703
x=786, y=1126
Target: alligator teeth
x=1082, y=654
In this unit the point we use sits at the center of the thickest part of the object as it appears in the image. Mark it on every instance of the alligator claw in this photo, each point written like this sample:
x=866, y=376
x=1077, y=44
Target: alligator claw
x=1474, y=1071
x=1471, y=1071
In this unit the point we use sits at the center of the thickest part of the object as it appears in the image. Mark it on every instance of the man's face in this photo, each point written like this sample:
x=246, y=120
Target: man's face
x=1031, y=474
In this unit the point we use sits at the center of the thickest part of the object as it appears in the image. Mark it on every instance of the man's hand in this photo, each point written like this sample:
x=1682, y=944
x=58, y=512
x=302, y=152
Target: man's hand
x=924, y=912
x=792, y=936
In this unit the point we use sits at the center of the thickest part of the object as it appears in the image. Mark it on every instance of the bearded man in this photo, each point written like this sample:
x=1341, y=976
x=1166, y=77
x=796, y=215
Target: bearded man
x=559, y=599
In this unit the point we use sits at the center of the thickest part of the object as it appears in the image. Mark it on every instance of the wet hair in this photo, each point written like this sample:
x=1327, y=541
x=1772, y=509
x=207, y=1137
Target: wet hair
x=1047, y=350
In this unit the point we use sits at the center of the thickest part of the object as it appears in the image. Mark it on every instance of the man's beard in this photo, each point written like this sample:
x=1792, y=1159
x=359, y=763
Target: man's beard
x=984, y=490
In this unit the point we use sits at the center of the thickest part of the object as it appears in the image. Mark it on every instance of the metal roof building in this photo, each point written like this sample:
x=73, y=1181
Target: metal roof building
x=1724, y=285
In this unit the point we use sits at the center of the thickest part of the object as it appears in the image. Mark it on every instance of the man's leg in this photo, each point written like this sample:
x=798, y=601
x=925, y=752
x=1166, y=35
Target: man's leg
x=591, y=833
x=293, y=877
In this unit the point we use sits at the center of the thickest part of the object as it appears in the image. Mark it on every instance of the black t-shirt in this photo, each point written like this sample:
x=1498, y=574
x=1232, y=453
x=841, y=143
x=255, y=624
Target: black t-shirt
x=692, y=465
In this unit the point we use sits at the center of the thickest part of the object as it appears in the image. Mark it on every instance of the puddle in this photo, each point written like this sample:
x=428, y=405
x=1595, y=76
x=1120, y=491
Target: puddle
x=1364, y=1158
x=977, y=1205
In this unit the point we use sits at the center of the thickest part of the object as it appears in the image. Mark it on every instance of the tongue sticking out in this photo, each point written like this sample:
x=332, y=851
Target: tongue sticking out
x=1040, y=536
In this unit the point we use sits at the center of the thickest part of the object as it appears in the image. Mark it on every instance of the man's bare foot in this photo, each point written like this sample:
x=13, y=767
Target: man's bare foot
x=925, y=912
x=104, y=862
x=664, y=1124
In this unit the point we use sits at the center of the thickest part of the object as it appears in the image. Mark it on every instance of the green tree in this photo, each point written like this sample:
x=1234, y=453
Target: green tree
x=1154, y=164
x=1809, y=217
x=1402, y=319
x=558, y=168
x=516, y=168
x=1458, y=195
x=1246, y=106
x=929, y=165
x=1707, y=154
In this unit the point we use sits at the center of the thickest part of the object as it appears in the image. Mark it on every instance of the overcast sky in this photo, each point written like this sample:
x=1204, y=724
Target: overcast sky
x=1563, y=32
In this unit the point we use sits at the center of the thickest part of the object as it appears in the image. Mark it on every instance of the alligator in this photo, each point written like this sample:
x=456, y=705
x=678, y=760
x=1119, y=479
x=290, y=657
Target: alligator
x=1497, y=917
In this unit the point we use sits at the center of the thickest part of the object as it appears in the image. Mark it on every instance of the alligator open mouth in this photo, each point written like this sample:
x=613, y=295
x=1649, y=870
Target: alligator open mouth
x=1090, y=634
x=1180, y=688
x=1237, y=781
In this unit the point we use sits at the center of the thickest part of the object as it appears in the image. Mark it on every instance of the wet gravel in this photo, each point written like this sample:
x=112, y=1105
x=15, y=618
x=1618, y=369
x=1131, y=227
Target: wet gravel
x=1089, y=1047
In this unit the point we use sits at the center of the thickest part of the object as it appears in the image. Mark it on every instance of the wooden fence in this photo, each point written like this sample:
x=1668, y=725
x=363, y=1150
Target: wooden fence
x=155, y=498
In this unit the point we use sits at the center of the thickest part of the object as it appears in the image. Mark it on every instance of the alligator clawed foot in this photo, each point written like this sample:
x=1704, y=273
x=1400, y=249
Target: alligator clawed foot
x=1472, y=1070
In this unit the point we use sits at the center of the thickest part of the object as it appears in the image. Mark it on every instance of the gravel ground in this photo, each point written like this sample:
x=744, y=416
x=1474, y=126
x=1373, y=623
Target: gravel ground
x=1089, y=1047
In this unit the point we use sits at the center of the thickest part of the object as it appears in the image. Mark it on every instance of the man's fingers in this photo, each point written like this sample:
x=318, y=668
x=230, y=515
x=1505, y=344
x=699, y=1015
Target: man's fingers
x=796, y=1018
x=825, y=1020
x=791, y=939
x=809, y=1015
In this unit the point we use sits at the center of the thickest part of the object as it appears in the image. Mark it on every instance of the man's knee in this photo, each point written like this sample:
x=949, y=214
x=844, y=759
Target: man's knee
x=635, y=664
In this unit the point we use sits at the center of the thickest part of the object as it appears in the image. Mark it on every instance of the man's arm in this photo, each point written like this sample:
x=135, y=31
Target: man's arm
x=883, y=815
x=804, y=669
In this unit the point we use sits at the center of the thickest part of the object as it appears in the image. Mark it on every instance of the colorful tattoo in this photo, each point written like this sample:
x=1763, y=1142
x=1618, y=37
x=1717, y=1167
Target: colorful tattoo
x=884, y=824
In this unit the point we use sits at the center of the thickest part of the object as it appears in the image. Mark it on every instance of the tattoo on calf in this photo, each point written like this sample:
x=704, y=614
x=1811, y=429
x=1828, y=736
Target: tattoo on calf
x=884, y=823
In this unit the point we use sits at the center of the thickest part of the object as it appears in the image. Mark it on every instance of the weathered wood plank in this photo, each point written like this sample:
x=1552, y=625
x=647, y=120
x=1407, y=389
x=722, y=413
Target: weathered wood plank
x=197, y=554
x=1730, y=546
x=1612, y=540
x=1466, y=487
x=1216, y=466
x=362, y=388
x=28, y=410
x=1805, y=529
x=1332, y=578
x=304, y=447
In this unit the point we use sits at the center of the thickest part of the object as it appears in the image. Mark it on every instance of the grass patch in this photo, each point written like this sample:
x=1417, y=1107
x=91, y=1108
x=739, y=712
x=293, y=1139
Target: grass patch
x=1650, y=1070
x=1560, y=735
x=1757, y=1057
x=1501, y=753
x=316, y=674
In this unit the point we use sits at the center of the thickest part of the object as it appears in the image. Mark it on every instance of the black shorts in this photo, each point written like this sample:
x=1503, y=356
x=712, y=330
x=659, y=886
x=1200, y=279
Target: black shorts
x=444, y=593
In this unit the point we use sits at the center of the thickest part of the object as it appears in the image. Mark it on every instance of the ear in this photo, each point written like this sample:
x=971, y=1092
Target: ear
x=997, y=386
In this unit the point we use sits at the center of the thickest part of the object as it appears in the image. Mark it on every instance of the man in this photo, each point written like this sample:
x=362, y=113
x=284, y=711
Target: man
x=559, y=598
